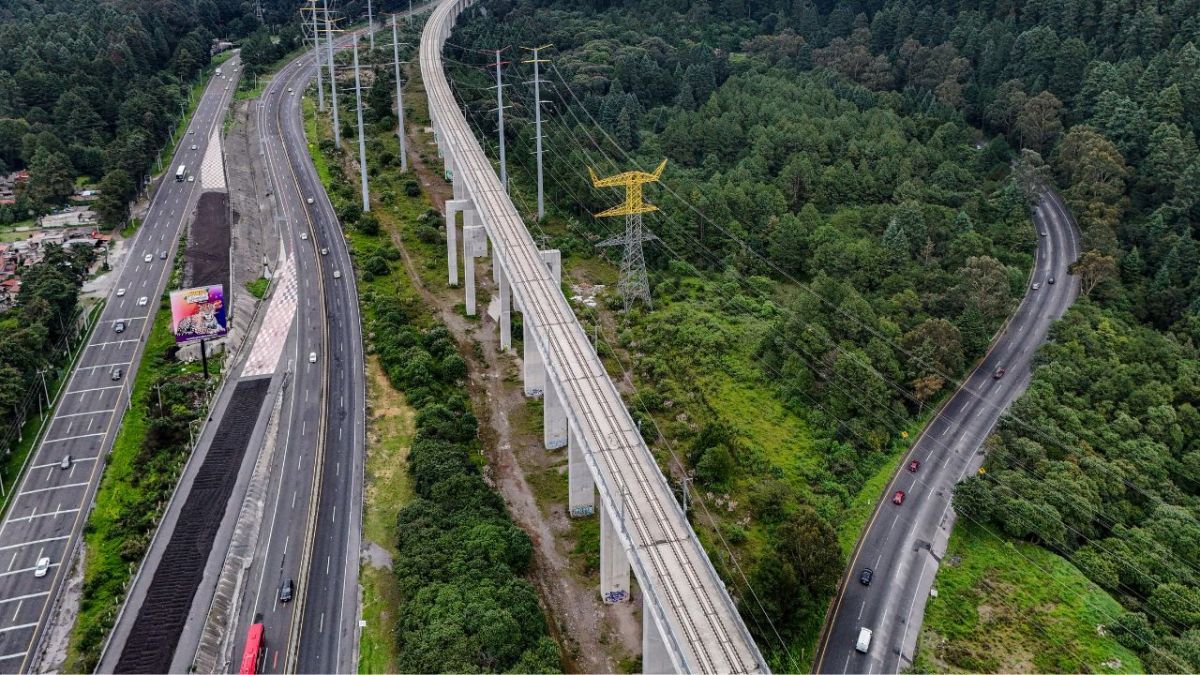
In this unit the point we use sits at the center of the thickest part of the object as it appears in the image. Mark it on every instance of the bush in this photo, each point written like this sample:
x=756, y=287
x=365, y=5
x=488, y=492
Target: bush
x=412, y=188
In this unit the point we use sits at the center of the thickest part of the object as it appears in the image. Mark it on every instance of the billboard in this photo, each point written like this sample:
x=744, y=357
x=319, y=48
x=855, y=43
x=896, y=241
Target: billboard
x=198, y=313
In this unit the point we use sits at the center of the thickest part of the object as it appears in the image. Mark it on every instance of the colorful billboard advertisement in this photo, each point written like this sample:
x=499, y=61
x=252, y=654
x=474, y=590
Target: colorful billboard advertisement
x=198, y=313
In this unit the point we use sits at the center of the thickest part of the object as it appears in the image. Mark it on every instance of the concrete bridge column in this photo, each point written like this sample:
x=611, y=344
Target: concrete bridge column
x=474, y=246
x=655, y=658
x=453, y=208
x=535, y=368
x=554, y=417
x=582, y=487
x=505, y=305
x=531, y=360
x=614, y=566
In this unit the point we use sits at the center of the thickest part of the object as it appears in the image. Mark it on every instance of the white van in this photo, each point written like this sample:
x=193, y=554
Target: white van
x=864, y=640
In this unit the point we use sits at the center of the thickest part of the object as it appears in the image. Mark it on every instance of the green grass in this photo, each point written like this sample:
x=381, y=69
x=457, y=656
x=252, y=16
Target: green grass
x=258, y=287
x=1006, y=606
x=128, y=230
x=107, y=533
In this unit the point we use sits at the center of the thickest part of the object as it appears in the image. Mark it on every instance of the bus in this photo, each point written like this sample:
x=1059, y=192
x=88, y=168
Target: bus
x=256, y=647
x=180, y=173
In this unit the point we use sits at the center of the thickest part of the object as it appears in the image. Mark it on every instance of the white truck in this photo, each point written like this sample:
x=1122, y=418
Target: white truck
x=864, y=640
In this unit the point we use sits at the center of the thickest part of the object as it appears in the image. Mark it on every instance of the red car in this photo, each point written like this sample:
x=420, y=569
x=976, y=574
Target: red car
x=898, y=498
x=914, y=465
x=998, y=374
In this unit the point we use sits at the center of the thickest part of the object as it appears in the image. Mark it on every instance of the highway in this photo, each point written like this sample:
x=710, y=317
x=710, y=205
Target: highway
x=322, y=434
x=55, y=495
x=903, y=543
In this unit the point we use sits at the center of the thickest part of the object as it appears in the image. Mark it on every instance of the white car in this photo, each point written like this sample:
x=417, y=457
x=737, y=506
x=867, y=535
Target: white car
x=1036, y=285
x=312, y=357
x=289, y=90
x=309, y=200
x=142, y=301
x=148, y=258
x=193, y=147
x=191, y=179
x=191, y=131
x=43, y=566
x=304, y=236
x=337, y=274
x=324, y=251
x=120, y=292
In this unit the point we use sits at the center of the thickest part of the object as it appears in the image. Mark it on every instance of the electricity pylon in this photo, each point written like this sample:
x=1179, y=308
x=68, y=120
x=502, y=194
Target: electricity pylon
x=634, y=283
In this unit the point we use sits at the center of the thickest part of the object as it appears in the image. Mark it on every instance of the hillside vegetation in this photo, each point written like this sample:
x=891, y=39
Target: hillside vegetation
x=844, y=225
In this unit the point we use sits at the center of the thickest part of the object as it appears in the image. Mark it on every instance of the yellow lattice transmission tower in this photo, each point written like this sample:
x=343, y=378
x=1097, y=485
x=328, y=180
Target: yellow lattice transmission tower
x=634, y=283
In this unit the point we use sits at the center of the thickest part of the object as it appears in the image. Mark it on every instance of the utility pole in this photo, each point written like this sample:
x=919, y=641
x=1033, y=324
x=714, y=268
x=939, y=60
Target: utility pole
x=410, y=12
x=362, y=140
x=537, y=120
x=45, y=389
x=370, y=25
x=317, y=58
x=337, y=127
x=399, y=98
x=634, y=283
x=500, y=121
x=258, y=10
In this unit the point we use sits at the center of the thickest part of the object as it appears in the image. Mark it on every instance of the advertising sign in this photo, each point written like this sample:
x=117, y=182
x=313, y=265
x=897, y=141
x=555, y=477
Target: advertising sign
x=198, y=313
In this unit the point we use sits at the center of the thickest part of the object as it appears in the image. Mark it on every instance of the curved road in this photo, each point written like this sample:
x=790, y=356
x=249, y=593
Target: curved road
x=903, y=544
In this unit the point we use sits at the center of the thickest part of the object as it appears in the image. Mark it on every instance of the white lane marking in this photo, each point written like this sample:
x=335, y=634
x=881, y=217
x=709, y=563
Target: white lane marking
x=43, y=515
x=102, y=365
x=293, y=499
x=48, y=489
x=20, y=627
x=24, y=597
x=13, y=561
x=862, y=609
x=71, y=438
x=333, y=518
x=102, y=345
x=94, y=412
x=12, y=656
x=84, y=391
x=17, y=611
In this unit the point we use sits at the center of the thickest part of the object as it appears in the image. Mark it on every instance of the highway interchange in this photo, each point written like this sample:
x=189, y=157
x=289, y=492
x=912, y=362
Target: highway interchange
x=903, y=543
x=52, y=503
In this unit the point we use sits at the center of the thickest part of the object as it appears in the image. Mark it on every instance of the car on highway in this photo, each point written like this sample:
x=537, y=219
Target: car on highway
x=193, y=147
x=162, y=255
x=117, y=373
x=324, y=251
x=898, y=498
x=142, y=301
x=1036, y=286
x=337, y=274
x=914, y=465
x=304, y=236
x=119, y=327
x=65, y=463
x=191, y=131
x=148, y=258
x=1043, y=233
x=864, y=577
x=191, y=179
x=999, y=373
x=286, y=591
x=289, y=90
x=1050, y=280
x=309, y=200
x=312, y=357
x=43, y=566
x=864, y=640
x=120, y=292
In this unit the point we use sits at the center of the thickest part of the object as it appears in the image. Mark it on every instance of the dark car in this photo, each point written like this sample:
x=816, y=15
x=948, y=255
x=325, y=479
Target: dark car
x=998, y=374
x=914, y=465
x=898, y=498
x=1050, y=280
x=864, y=577
x=286, y=591
x=119, y=327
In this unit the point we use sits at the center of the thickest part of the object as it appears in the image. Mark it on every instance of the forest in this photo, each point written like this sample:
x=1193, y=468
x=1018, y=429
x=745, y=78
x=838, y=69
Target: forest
x=94, y=89
x=848, y=185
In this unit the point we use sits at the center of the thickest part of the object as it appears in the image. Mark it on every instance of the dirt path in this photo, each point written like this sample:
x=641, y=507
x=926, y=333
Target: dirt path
x=595, y=638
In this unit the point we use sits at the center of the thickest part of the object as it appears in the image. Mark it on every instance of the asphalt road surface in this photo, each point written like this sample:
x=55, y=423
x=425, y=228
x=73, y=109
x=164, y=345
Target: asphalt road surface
x=323, y=427
x=900, y=542
x=54, y=497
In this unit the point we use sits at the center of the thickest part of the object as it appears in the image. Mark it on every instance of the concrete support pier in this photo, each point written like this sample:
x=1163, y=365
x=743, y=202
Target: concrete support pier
x=554, y=417
x=531, y=359
x=655, y=658
x=453, y=208
x=474, y=246
x=505, y=306
x=582, y=487
x=614, y=566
